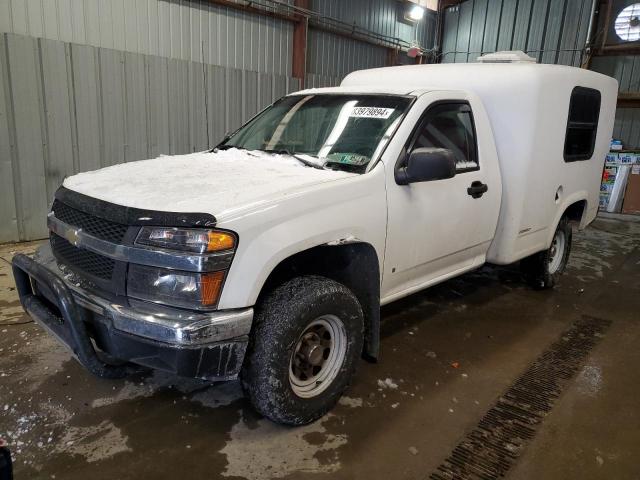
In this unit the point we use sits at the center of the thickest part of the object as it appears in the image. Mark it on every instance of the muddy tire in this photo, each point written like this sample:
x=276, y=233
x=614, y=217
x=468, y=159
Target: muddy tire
x=304, y=348
x=543, y=269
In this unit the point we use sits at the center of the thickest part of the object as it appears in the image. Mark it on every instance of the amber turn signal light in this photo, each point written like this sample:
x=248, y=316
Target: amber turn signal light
x=219, y=241
x=210, y=287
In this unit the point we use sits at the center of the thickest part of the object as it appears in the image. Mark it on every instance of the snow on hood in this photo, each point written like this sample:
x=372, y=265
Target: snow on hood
x=200, y=182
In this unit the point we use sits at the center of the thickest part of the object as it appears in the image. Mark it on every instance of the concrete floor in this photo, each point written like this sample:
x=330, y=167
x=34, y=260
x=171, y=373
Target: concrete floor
x=62, y=423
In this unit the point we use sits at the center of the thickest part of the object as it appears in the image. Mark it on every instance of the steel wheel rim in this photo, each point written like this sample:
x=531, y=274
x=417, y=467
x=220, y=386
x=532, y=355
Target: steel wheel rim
x=556, y=251
x=318, y=356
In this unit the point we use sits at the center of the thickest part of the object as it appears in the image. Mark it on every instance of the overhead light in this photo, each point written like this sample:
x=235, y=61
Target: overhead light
x=416, y=13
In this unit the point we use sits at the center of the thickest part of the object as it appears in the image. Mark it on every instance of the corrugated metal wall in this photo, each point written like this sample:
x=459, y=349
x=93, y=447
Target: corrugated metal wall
x=90, y=83
x=331, y=57
x=179, y=29
x=380, y=16
x=626, y=69
x=553, y=31
x=627, y=127
x=66, y=108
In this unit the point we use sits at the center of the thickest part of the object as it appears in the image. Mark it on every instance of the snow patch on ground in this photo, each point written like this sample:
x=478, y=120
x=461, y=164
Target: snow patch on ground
x=94, y=443
x=45, y=357
x=129, y=391
x=158, y=380
x=34, y=436
x=387, y=383
x=350, y=402
x=273, y=451
x=589, y=381
x=200, y=182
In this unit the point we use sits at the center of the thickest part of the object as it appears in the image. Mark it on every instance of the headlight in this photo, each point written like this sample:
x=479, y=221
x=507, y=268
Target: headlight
x=169, y=287
x=187, y=239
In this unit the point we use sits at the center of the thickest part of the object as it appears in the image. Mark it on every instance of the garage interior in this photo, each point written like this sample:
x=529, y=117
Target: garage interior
x=86, y=84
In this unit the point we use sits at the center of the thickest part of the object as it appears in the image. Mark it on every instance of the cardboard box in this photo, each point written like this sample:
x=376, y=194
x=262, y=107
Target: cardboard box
x=631, y=202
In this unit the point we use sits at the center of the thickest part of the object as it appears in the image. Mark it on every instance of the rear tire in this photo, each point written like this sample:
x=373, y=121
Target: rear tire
x=304, y=348
x=543, y=269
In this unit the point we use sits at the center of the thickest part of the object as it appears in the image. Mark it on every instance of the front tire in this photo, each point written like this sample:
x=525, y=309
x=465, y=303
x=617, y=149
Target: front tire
x=307, y=340
x=543, y=269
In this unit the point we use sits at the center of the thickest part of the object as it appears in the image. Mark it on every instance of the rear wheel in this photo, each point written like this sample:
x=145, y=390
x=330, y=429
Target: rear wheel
x=306, y=342
x=543, y=269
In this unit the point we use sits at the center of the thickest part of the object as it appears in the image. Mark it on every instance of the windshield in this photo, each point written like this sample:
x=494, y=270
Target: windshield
x=334, y=131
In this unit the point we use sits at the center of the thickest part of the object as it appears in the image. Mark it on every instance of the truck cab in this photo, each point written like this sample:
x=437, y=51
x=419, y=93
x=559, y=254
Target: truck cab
x=268, y=257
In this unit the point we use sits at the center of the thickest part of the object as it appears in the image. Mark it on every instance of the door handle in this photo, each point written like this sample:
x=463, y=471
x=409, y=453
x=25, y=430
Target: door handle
x=477, y=189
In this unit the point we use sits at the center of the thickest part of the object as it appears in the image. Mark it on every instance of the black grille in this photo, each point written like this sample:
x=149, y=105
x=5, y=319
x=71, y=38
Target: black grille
x=82, y=261
x=96, y=226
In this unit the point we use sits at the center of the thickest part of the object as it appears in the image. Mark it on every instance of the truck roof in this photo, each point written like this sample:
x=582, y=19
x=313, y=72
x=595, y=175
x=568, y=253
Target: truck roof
x=483, y=78
x=468, y=76
x=381, y=89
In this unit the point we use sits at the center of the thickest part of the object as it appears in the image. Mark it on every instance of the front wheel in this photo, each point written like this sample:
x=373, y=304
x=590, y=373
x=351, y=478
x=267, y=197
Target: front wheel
x=543, y=269
x=306, y=342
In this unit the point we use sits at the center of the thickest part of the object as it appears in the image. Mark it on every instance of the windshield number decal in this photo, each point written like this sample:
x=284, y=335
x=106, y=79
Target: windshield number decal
x=371, y=112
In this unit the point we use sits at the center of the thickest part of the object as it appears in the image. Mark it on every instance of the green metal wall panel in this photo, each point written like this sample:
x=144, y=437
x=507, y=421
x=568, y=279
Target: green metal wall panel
x=66, y=108
x=553, y=31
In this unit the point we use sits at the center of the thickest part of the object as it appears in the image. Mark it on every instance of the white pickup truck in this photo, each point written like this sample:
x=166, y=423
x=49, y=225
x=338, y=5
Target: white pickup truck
x=268, y=258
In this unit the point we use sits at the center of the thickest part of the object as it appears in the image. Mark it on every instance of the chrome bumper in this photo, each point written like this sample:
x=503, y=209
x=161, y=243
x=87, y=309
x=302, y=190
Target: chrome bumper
x=177, y=327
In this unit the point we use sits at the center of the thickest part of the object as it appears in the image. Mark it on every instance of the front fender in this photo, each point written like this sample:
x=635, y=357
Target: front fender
x=353, y=208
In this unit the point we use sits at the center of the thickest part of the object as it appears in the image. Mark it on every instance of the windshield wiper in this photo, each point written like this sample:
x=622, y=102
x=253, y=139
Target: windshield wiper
x=228, y=147
x=301, y=159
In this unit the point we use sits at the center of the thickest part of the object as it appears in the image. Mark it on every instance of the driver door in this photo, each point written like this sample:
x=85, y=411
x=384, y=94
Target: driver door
x=437, y=229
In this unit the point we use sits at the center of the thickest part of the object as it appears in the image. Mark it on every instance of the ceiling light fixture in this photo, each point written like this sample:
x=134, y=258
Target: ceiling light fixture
x=416, y=13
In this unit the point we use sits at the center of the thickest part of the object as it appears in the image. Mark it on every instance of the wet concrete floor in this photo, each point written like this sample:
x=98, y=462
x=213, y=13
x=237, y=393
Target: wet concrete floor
x=448, y=353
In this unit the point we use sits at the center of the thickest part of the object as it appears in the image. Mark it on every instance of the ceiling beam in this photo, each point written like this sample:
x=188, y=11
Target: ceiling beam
x=629, y=100
x=258, y=11
x=622, y=49
x=300, y=40
x=307, y=17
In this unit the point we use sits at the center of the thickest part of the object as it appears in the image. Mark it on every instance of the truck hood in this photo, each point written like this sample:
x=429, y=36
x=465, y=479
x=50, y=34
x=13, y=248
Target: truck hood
x=204, y=182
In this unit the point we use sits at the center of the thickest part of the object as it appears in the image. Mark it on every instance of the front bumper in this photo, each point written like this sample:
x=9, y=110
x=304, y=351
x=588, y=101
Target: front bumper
x=193, y=344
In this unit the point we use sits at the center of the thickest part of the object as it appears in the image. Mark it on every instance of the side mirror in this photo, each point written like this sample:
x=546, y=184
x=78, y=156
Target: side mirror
x=426, y=164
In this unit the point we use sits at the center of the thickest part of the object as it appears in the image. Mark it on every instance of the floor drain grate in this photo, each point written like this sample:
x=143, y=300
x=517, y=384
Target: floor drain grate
x=494, y=444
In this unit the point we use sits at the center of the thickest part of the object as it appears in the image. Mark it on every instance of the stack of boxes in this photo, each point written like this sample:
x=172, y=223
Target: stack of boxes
x=613, y=162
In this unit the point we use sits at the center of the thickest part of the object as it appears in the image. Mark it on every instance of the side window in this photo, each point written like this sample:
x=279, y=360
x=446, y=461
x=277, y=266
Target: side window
x=450, y=126
x=582, y=126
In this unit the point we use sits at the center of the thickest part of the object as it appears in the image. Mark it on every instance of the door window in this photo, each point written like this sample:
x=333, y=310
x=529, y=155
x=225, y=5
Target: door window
x=450, y=126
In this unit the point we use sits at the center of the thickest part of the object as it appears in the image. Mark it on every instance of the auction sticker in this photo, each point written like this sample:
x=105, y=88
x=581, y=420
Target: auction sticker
x=371, y=112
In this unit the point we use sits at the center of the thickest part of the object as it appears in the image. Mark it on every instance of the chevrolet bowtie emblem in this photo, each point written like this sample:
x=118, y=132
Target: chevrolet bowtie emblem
x=72, y=236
